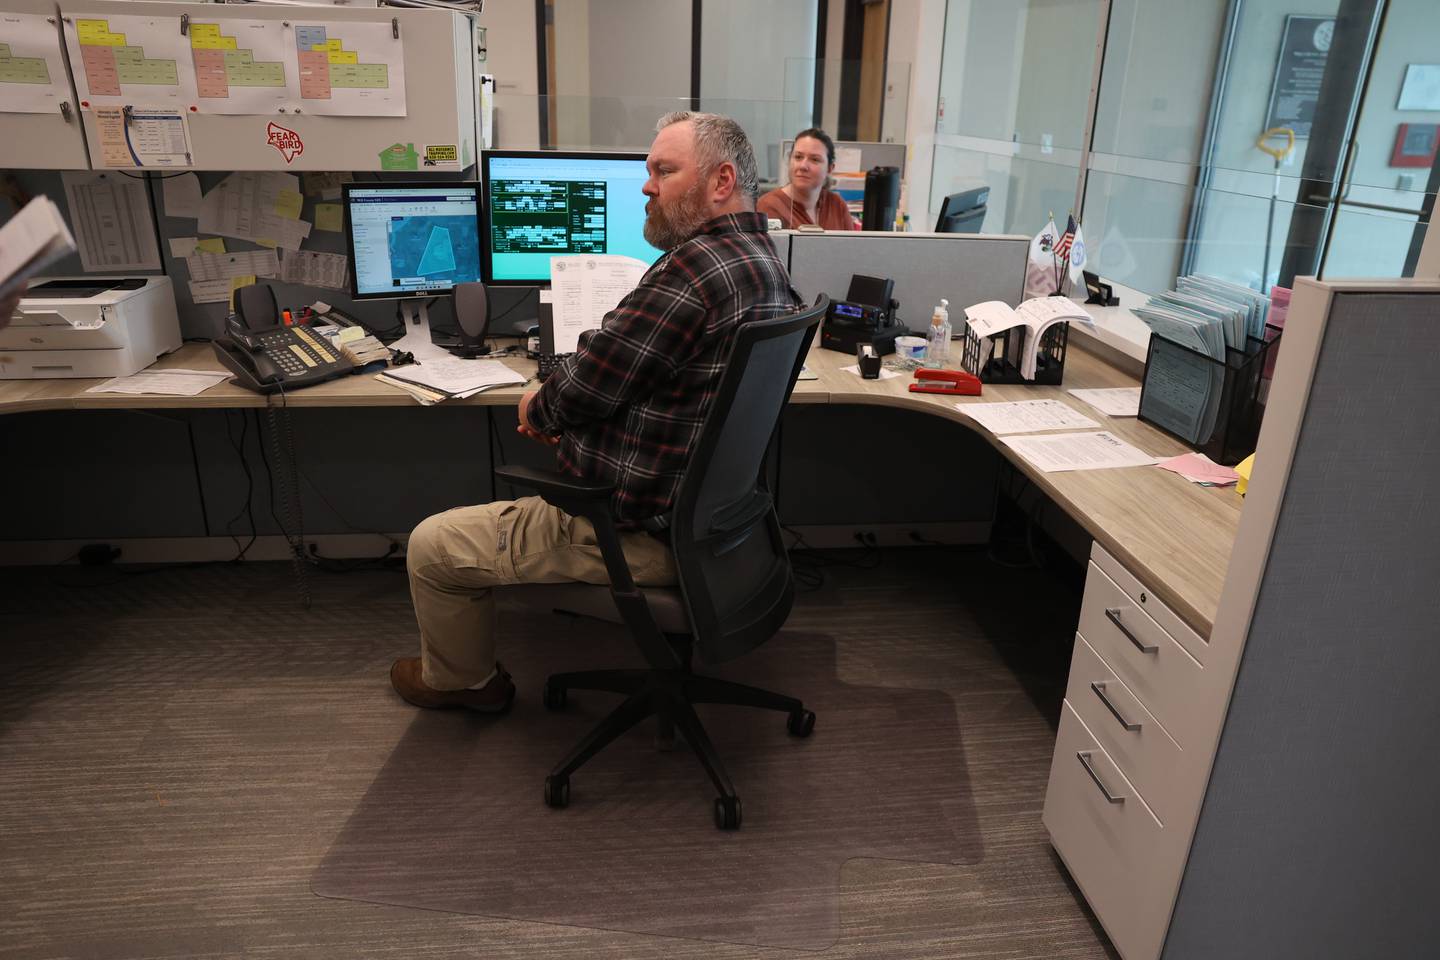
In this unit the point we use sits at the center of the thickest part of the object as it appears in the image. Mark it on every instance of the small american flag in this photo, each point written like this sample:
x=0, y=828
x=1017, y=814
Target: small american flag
x=1062, y=246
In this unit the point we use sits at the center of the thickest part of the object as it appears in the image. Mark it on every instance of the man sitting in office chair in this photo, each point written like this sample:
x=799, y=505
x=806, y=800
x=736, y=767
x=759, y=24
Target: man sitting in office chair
x=626, y=409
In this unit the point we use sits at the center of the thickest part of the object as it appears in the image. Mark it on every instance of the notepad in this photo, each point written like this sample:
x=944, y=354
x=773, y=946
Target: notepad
x=454, y=376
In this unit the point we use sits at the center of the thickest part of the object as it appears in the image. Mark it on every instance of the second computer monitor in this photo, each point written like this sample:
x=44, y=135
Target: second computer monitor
x=412, y=239
x=545, y=203
x=963, y=212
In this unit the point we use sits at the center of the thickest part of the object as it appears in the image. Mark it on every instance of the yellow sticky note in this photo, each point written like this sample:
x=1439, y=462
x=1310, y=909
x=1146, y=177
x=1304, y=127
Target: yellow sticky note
x=236, y=283
x=1244, y=467
x=211, y=245
x=329, y=216
x=350, y=334
x=265, y=243
x=288, y=204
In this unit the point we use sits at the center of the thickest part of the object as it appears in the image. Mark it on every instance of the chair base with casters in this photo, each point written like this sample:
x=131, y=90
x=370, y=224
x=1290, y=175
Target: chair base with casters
x=735, y=587
x=670, y=696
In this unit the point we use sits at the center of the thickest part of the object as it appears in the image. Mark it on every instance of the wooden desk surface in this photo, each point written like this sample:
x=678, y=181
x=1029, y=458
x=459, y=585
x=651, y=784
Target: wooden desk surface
x=1172, y=534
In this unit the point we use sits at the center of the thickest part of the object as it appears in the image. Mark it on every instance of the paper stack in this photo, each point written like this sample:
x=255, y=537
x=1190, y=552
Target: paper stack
x=1208, y=316
x=1198, y=468
x=363, y=350
x=33, y=239
x=444, y=378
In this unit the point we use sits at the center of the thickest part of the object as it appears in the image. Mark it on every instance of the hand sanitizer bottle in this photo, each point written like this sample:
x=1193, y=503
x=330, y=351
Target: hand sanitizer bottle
x=937, y=342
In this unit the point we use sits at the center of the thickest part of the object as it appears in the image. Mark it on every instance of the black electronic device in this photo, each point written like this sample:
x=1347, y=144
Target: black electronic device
x=472, y=316
x=866, y=316
x=1100, y=293
x=278, y=358
x=882, y=198
x=963, y=212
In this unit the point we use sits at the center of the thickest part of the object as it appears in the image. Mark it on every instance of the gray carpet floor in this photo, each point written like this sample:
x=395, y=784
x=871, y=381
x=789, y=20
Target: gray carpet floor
x=181, y=749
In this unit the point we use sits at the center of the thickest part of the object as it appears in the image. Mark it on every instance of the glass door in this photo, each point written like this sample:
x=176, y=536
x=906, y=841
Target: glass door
x=1321, y=144
x=1386, y=193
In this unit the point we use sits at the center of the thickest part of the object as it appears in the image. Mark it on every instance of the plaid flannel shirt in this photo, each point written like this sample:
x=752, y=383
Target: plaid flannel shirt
x=629, y=405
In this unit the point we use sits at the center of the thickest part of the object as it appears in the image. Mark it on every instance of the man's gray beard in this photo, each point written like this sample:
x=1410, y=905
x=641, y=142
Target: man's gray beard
x=666, y=230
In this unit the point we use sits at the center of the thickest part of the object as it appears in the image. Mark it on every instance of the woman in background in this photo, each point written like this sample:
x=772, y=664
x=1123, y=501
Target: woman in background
x=807, y=198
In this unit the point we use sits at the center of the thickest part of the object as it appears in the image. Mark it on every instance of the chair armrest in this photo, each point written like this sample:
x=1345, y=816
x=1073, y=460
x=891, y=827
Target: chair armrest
x=580, y=498
x=555, y=486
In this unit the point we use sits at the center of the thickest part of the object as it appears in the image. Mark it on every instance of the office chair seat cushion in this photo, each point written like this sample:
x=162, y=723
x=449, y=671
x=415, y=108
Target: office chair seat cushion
x=591, y=600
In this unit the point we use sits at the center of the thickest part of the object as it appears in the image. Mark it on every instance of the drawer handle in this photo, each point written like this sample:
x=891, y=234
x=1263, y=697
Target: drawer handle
x=1084, y=756
x=1099, y=689
x=1113, y=613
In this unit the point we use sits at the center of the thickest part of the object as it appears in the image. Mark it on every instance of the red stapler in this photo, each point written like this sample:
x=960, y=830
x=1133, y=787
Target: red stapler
x=955, y=382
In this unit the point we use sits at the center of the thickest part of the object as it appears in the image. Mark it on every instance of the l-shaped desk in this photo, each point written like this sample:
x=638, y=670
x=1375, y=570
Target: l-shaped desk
x=1162, y=545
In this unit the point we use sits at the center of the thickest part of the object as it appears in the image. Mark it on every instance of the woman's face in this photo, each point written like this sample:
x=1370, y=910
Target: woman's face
x=809, y=164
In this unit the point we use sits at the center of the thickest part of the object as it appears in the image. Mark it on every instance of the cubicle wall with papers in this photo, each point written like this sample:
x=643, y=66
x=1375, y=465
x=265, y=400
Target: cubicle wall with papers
x=926, y=267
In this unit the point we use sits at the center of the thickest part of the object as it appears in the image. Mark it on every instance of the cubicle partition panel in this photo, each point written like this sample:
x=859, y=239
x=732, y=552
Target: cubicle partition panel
x=926, y=267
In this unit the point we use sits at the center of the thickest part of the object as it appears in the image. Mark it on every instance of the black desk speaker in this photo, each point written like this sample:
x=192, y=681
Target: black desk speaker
x=472, y=313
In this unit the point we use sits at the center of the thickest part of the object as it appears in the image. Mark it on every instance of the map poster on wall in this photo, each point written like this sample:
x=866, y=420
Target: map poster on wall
x=32, y=69
x=241, y=66
x=1296, y=90
x=123, y=59
x=350, y=69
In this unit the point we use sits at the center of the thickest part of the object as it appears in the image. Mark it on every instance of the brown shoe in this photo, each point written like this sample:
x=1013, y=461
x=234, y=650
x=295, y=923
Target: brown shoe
x=495, y=697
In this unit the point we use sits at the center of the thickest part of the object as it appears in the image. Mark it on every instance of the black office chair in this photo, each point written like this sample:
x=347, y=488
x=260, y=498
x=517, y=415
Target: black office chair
x=735, y=588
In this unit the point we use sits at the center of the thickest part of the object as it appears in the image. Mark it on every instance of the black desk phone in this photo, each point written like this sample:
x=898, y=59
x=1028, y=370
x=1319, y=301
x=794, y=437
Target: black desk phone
x=280, y=357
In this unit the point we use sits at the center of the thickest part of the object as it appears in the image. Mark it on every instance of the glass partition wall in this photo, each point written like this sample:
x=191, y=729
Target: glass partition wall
x=1150, y=116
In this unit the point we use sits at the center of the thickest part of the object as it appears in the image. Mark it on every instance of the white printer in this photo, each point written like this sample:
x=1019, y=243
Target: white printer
x=89, y=327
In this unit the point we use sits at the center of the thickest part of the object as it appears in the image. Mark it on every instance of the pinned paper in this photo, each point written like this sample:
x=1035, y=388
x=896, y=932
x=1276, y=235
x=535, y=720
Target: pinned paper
x=288, y=204
x=111, y=220
x=326, y=186
x=329, y=216
x=211, y=245
x=182, y=195
x=182, y=246
x=211, y=266
x=210, y=291
x=314, y=269
x=236, y=283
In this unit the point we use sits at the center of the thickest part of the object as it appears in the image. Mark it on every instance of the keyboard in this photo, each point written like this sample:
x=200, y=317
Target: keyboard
x=549, y=363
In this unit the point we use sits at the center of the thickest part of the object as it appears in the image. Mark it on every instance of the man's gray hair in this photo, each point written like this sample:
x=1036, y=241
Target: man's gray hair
x=718, y=139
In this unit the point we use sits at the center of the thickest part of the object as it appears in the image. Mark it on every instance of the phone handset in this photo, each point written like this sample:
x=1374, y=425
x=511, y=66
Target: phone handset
x=243, y=354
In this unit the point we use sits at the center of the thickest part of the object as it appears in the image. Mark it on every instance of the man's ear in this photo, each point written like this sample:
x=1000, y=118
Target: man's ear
x=723, y=185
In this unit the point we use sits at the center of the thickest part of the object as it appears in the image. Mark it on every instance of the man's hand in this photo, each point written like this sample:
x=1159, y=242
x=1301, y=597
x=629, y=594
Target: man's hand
x=525, y=429
x=8, y=305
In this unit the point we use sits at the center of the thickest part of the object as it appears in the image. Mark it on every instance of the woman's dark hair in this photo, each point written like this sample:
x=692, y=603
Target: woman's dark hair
x=817, y=134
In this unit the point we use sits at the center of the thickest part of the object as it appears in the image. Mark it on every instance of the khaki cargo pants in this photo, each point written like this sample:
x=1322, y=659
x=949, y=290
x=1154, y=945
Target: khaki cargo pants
x=455, y=558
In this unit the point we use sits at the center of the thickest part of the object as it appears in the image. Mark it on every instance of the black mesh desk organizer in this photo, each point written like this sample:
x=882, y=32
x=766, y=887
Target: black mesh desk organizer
x=996, y=359
x=1215, y=407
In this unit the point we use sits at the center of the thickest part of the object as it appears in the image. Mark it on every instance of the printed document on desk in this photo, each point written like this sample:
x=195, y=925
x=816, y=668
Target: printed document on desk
x=584, y=288
x=1059, y=452
x=1111, y=401
x=1036, y=315
x=455, y=376
x=1026, y=416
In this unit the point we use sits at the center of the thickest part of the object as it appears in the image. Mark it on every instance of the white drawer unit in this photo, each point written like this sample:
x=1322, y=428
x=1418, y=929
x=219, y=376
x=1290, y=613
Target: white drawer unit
x=1151, y=759
x=1122, y=857
x=1145, y=599
x=1167, y=679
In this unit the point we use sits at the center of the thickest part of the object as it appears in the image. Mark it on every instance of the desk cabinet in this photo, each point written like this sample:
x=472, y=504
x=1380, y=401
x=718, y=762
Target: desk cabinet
x=1132, y=755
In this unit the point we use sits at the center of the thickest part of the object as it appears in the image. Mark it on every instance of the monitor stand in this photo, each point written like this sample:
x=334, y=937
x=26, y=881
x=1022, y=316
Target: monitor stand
x=415, y=315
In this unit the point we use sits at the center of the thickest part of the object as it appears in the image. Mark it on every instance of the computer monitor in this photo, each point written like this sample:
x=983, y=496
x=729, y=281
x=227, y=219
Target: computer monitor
x=963, y=212
x=546, y=203
x=410, y=240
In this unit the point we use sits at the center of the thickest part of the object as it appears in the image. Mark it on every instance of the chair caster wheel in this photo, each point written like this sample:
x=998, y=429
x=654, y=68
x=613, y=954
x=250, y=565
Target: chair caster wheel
x=554, y=697
x=557, y=792
x=727, y=813
x=801, y=723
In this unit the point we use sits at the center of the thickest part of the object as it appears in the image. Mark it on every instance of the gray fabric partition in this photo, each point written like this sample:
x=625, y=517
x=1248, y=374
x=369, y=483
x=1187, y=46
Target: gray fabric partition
x=1318, y=836
x=964, y=269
